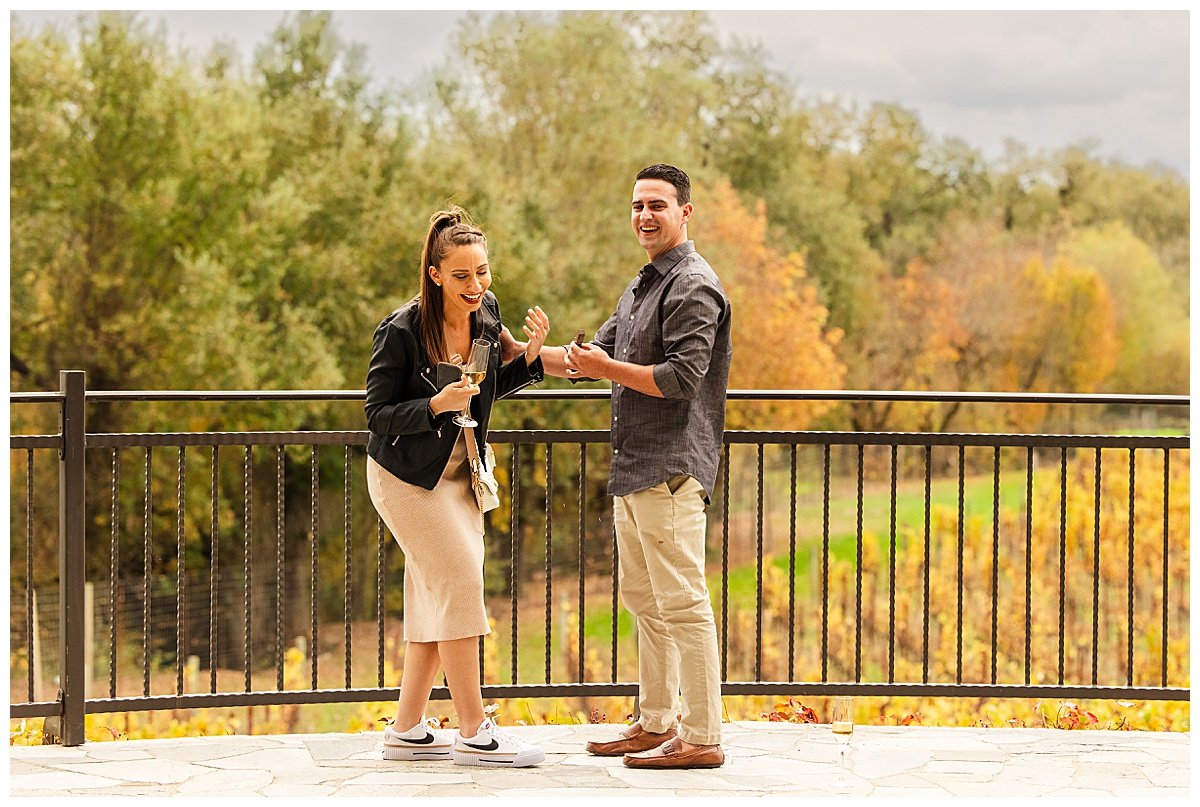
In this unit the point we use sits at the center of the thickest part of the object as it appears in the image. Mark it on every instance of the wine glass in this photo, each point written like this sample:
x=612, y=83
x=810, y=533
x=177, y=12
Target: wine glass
x=475, y=370
x=842, y=723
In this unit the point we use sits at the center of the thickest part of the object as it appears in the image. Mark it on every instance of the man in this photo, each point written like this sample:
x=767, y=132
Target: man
x=666, y=350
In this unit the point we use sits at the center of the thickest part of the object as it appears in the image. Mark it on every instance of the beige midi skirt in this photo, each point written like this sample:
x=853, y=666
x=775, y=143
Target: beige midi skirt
x=440, y=532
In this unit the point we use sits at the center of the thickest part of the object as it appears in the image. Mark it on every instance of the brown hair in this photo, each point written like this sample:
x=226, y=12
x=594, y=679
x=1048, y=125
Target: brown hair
x=447, y=229
x=673, y=175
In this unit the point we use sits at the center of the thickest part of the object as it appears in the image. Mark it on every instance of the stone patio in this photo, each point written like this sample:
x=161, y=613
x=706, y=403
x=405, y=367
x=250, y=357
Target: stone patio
x=762, y=759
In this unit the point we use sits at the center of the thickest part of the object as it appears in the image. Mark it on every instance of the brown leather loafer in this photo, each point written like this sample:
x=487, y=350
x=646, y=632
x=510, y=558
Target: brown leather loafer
x=633, y=739
x=670, y=755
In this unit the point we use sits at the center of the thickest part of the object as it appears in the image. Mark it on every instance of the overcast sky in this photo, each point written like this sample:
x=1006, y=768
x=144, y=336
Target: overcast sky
x=1119, y=79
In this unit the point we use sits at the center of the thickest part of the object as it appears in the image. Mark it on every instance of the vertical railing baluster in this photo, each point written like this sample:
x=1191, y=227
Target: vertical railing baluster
x=1062, y=564
x=114, y=520
x=279, y=560
x=314, y=512
x=29, y=626
x=213, y=573
x=926, y=562
x=725, y=565
x=1166, y=555
x=347, y=537
x=482, y=676
x=858, y=571
x=792, y=568
x=962, y=450
x=549, y=533
x=180, y=643
x=825, y=571
x=72, y=550
x=758, y=571
x=248, y=556
x=379, y=600
x=1132, y=502
x=582, y=560
x=995, y=555
x=515, y=554
x=279, y=567
x=1028, y=562
x=1096, y=574
x=147, y=565
x=615, y=567
x=892, y=575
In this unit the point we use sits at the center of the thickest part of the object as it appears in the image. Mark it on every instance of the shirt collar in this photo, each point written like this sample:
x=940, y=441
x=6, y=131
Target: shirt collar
x=667, y=261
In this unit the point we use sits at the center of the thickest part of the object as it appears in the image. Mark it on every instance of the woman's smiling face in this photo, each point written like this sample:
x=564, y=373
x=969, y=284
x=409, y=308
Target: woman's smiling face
x=464, y=276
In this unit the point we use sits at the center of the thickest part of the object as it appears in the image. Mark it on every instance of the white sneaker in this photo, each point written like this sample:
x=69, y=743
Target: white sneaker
x=491, y=747
x=418, y=743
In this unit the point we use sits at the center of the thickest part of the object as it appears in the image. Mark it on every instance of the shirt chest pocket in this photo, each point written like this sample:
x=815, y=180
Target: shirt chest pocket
x=645, y=350
x=640, y=331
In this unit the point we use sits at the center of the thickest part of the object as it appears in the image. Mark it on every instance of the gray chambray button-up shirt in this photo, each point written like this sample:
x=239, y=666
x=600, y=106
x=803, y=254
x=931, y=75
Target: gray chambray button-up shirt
x=673, y=315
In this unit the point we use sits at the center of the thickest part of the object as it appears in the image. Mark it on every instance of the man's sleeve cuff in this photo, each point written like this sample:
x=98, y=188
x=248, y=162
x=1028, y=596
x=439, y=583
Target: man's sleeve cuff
x=665, y=379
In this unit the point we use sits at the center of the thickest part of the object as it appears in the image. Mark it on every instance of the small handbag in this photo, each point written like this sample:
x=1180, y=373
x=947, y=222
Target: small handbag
x=483, y=478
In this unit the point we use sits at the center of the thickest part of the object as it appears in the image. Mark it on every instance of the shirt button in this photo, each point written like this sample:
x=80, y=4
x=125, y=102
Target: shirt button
x=631, y=317
x=614, y=418
x=616, y=451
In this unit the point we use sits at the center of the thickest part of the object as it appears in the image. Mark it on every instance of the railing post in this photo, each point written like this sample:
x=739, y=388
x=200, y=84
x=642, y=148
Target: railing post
x=71, y=549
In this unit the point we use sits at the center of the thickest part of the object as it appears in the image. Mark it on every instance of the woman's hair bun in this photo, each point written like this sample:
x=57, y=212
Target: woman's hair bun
x=447, y=218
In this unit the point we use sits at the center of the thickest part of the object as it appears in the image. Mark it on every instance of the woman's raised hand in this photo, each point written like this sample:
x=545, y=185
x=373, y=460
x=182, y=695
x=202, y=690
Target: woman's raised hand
x=537, y=328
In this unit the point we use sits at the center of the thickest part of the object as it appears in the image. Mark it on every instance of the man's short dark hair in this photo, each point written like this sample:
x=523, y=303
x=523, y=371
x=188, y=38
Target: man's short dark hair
x=669, y=173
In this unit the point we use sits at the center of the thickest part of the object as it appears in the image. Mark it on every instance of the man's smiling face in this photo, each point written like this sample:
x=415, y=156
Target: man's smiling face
x=659, y=221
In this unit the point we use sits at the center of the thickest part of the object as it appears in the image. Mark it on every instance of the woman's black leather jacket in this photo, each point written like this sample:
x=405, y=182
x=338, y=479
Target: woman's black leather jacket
x=406, y=438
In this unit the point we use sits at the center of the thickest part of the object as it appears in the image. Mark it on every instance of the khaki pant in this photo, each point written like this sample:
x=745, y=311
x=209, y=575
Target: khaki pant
x=660, y=538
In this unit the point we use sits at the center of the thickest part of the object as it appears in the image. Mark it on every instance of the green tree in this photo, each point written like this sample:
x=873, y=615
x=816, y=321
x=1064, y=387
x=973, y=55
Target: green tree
x=904, y=184
x=1152, y=322
x=183, y=227
x=1154, y=203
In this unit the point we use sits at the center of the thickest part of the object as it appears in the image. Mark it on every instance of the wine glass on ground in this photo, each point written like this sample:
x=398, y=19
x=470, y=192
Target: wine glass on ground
x=475, y=370
x=842, y=723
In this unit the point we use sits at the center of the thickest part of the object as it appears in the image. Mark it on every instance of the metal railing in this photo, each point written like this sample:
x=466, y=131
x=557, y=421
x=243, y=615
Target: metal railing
x=872, y=668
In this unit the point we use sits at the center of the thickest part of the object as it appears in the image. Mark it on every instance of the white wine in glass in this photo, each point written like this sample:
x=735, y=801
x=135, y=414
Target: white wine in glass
x=842, y=723
x=475, y=370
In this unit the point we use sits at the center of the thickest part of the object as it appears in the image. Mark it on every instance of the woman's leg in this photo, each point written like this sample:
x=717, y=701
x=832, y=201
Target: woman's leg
x=460, y=660
x=421, y=664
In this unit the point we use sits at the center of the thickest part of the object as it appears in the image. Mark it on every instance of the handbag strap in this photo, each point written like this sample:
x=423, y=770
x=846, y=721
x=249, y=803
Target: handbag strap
x=472, y=449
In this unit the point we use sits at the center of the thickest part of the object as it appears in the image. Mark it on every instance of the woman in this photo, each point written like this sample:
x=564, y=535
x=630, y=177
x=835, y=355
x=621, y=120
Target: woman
x=420, y=482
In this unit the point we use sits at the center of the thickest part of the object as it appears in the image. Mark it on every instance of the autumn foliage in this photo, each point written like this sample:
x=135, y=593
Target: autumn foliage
x=781, y=337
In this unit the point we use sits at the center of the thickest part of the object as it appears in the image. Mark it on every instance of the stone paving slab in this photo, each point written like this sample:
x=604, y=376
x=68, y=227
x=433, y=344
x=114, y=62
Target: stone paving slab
x=761, y=759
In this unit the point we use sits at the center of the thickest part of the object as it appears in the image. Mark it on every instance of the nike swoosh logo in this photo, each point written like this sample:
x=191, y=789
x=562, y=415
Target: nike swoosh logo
x=492, y=746
x=426, y=740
